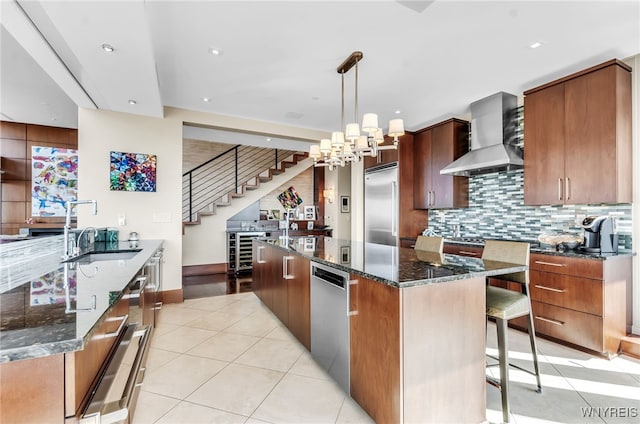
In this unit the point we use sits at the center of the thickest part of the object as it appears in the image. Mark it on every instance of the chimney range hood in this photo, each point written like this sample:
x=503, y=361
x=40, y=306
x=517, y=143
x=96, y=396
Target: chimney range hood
x=493, y=122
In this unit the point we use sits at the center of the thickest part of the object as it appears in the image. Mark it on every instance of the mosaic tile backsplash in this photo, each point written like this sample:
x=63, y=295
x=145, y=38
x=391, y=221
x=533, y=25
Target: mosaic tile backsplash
x=496, y=210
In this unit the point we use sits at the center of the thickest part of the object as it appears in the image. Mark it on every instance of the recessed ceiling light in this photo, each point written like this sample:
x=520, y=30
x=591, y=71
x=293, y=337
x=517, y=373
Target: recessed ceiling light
x=206, y=99
x=268, y=139
x=132, y=102
x=107, y=48
x=535, y=45
x=397, y=112
x=215, y=51
x=54, y=119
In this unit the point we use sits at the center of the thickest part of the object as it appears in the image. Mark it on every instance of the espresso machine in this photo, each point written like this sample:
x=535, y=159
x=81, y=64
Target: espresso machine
x=599, y=235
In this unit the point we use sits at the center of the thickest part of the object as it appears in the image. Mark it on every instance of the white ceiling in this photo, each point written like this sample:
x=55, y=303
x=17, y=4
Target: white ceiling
x=429, y=60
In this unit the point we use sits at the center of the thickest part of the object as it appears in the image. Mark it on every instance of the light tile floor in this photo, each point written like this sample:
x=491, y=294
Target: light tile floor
x=227, y=359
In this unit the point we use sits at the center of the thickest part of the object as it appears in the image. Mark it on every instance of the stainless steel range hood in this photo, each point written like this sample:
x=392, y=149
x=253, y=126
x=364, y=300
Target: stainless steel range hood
x=493, y=121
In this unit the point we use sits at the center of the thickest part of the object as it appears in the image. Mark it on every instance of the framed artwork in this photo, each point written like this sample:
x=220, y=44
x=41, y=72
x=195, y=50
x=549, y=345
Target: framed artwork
x=310, y=213
x=345, y=205
x=264, y=214
x=133, y=172
x=54, y=180
x=309, y=244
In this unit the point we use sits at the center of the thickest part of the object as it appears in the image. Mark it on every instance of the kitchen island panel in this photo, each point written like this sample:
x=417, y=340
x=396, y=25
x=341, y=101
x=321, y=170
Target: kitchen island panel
x=375, y=344
x=31, y=390
x=443, y=352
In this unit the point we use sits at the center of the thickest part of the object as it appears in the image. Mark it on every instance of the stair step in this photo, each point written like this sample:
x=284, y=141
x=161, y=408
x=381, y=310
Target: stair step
x=277, y=171
x=265, y=179
x=223, y=204
x=237, y=195
x=251, y=187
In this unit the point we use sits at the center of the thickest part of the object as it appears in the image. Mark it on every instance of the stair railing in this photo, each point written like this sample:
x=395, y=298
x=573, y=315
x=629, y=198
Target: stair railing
x=224, y=174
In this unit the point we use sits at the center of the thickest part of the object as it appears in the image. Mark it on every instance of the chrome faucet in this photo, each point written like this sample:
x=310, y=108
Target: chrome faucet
x=67, y=224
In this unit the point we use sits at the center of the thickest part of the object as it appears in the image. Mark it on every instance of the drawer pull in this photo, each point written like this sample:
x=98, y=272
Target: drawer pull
x=549, y=288
x=123, y=321
x=464, y=252
x=549, y=320
x=549, y=263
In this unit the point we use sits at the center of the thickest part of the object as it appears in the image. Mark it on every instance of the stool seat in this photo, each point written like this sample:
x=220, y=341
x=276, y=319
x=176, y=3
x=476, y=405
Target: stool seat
x=506, y=304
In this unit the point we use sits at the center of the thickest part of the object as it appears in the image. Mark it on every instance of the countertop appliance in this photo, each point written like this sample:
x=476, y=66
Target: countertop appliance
x=330, y=322
x=381, y=204
x=599, y=235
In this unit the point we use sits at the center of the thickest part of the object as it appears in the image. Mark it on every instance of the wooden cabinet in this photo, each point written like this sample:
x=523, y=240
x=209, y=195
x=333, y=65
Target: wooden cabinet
x=581, y=301
x=383, y=156
x=434, y=148
x=299, y=289
x=82, y=368
x=577, y=133
x=282, y=282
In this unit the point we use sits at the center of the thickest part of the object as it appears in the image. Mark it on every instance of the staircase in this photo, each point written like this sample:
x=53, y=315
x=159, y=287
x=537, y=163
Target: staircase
x=232, y=175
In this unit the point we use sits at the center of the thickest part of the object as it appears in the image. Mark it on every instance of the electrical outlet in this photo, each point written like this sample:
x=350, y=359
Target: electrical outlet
x=122, y=221
x=579, y=218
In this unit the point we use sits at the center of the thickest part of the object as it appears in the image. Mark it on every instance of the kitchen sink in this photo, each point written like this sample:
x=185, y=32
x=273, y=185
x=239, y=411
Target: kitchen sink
x=113, y=255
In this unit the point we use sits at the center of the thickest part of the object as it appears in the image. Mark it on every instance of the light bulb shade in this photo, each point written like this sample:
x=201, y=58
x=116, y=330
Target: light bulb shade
x=369, y=122
x=396, y=128
x=325, y=146
x=352, y=132
x=362, y=143
x=378, y=137
x=314, y=152
x=346, y=150
x=337, y=139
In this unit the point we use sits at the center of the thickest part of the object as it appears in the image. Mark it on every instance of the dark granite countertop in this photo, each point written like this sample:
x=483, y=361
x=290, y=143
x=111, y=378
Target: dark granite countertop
x=33, y=321
x=394, y=266
x=536, y=247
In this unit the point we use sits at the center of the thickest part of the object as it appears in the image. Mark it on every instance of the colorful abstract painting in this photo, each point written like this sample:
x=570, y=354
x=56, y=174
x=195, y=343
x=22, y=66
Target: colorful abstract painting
x=133, y=172
x=54, y=180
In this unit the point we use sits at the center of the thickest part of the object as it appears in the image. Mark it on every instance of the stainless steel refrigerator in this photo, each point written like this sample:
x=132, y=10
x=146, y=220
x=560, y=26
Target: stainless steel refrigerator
x=381, y=205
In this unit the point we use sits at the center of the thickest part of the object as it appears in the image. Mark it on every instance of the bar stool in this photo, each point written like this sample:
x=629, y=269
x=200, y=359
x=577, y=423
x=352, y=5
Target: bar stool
x=503, y=305
x=429, y=244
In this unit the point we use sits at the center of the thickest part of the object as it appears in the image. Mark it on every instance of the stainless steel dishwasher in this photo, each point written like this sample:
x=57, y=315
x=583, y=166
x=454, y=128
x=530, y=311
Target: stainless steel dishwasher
x=330, y=321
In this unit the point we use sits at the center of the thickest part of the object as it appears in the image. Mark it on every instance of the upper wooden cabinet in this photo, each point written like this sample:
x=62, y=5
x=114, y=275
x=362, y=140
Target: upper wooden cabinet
x=577, y=133
x=434, y=148
x=383, y=156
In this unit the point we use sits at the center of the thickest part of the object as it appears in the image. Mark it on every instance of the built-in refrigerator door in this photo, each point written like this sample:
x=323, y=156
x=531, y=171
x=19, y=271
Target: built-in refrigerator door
x=381, y=205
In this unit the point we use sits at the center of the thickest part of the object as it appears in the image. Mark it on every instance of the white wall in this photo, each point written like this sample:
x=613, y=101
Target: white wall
x=634, y=302
x=153, y=215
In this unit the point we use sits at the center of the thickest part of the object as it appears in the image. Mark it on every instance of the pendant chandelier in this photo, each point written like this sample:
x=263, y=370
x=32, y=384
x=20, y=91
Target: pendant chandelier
x=352, y=143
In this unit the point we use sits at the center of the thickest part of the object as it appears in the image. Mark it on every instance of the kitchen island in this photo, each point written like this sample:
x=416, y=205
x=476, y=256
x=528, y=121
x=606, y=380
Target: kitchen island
x=416, y=322
x=60, y=322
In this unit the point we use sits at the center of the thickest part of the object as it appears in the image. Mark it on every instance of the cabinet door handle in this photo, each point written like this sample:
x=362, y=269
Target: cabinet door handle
x=567, y=188
x=549, y=320
x=549, y=263
x=285, y=268
x=259, y=254
x=464, y=252
x=433, y=198
x=353, y=300
x=559, y=188
x=549, y=289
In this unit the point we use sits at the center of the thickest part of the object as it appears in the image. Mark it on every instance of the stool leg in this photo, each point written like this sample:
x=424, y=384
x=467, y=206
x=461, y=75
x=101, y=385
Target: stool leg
x=534, y=351
x=503, y=356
